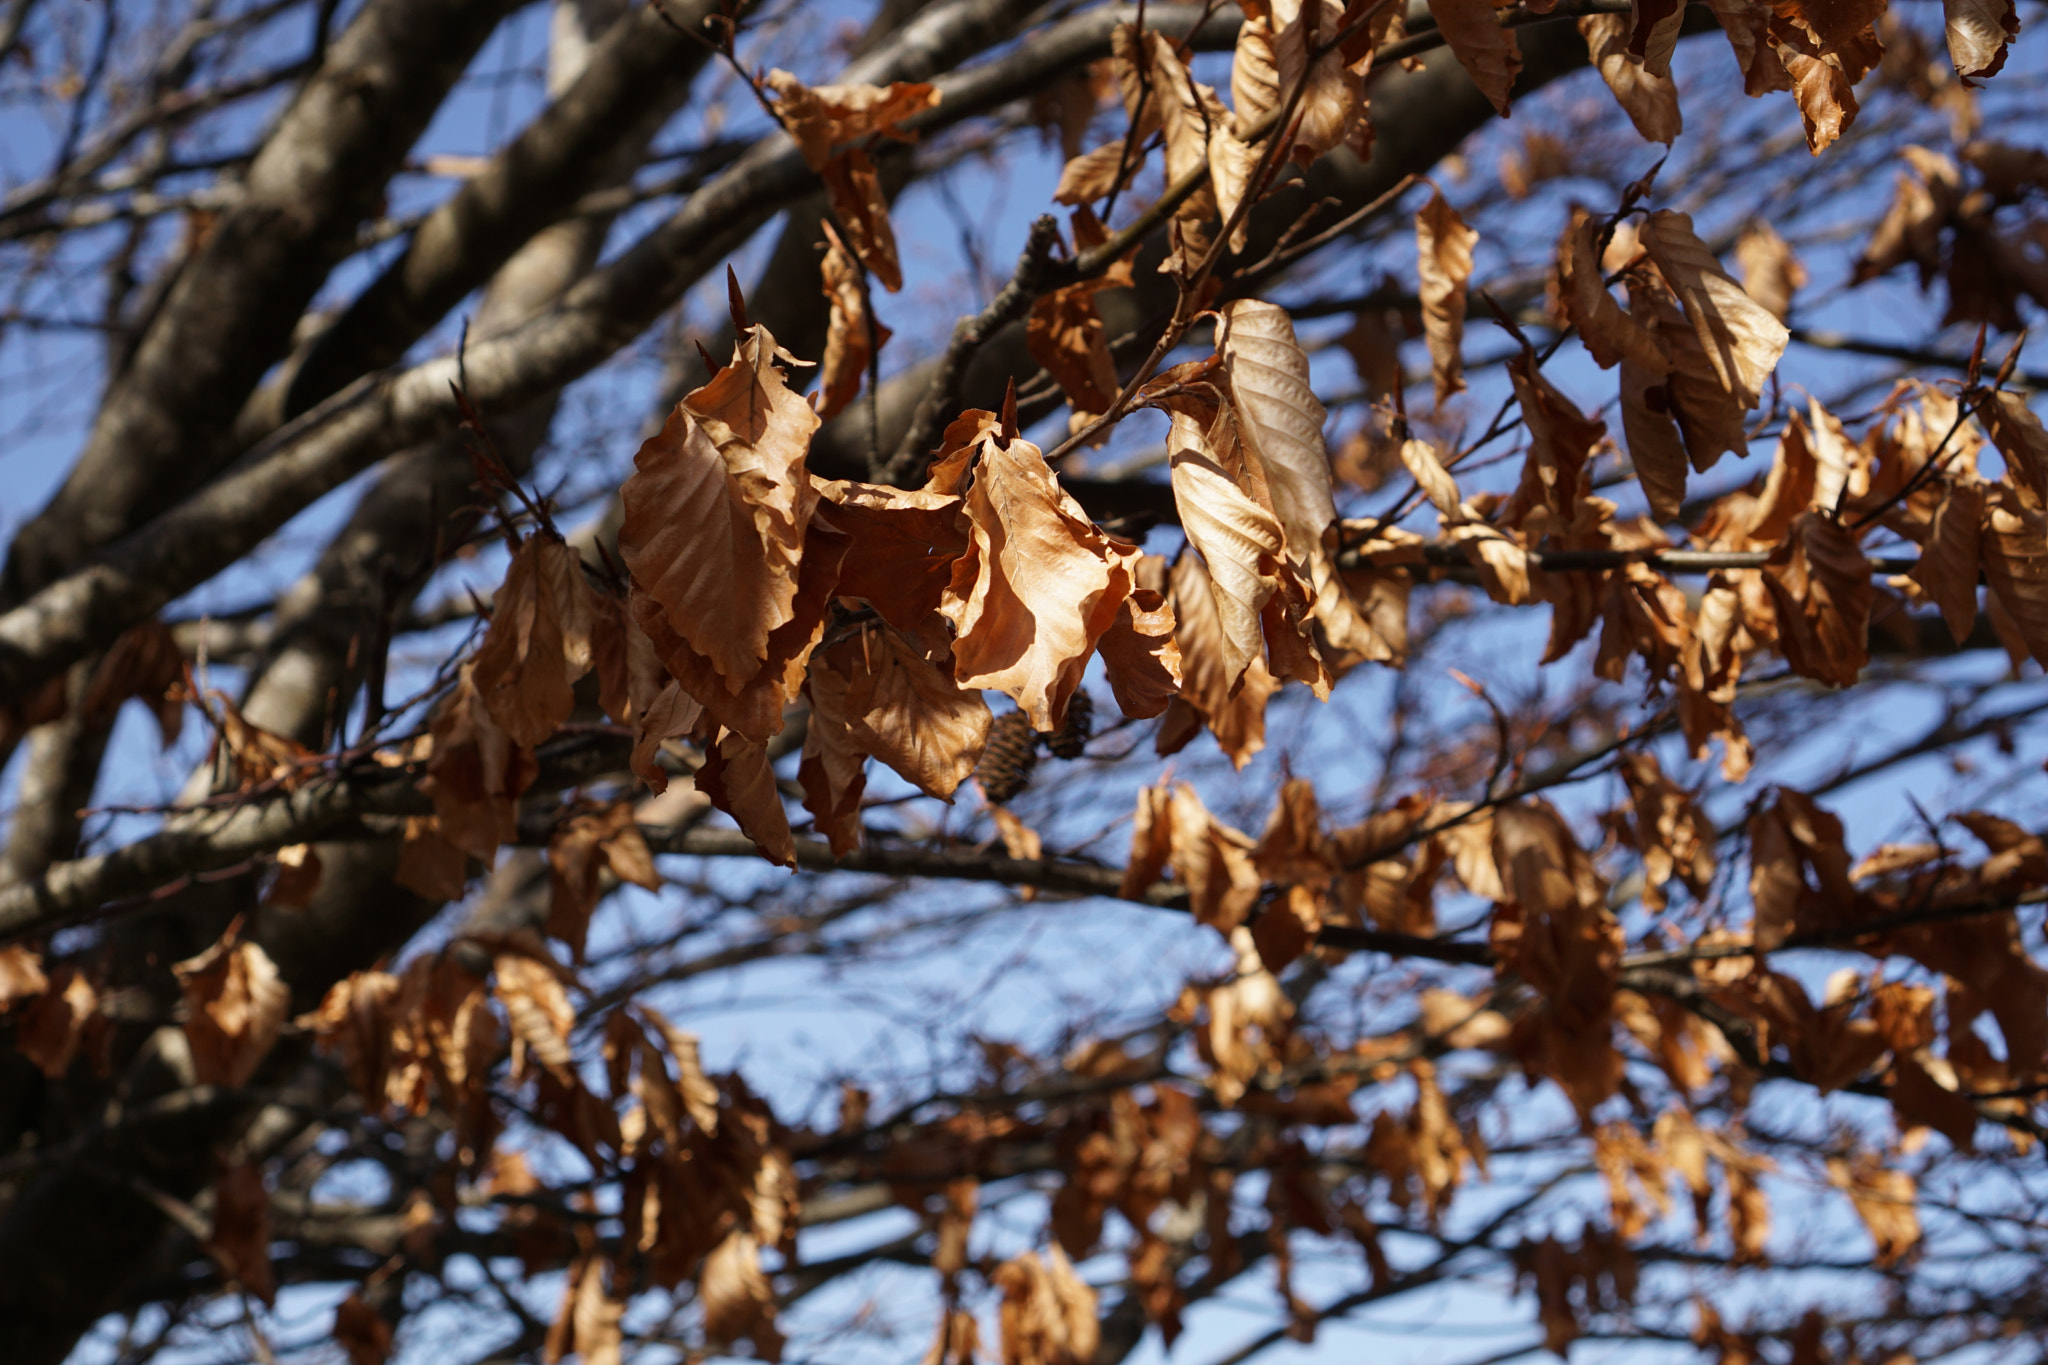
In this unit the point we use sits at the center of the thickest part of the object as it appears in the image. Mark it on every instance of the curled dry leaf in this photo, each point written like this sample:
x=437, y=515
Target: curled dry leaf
x=1065, y=333
x=1280, y=429
x=1561, y=438
x=1233, y=707
x=1979, y=32
x=1610, y=332
x=1443, y=251
x=1172, y=828
x=1649, y=98
x=1038, y=585
x=534, y=991
x=1949, y=560
x=356, y=1015
x=1770, y=272
x=144, y=663
x=1820, y=583
x=853, y=336
x=824, y=120
x=2015, y=550
x=1485, y=48
x=581, y=850
x=21, y=975
x=475, y=774
x=235, y=1006
x=1048, y=1314
x=1332, y=93
x=539, y=641
x=716, y=510
x=739, y=780
x=738, y=1300
x=1738, y=335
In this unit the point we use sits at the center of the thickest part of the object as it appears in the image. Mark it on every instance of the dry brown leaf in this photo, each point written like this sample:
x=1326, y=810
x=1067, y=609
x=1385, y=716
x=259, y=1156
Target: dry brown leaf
x=239, y=1241
x=823, y=118
x=716, y=512
x=914, y=717
x=1233, y=707
x=1485, y=48
x=2019, y=436
x=1172, y=828
x=297, y=880
x=1884, y=1200
x=1430, y=475
x=534, y=991
x=1820, y=583
x=739, y=780
x=1443, y=249
x=361, y=1331
x=1825, y=92
x=539, y=641
x=54, y=1027
x=852, y=336
x=1740, y=338
x=356, y=1015
x=1037, y=587
x=1561, y=438
x=1648, y=98
x=2015, y=550
x=1673, y=835
x=1048, y=1314
x=1950, y=558
x=144, y=663
x=1770, y=272
x=1140, y=655
x=21, y=975
x=1332, y=95
x=1091, y=175
x=1065, y=333
x=1710, y=419
x=1748, y=26
x=1280, y=428
x=1979, y=31
x=1610, y=332
x=235, y=1006
x=475, y=775
x=1186, y=113
x=833, y=770
x=580, y=851
x=738, y=1300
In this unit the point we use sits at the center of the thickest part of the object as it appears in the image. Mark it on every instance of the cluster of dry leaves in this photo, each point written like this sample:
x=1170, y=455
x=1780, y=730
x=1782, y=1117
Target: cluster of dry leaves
x=750, y=593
